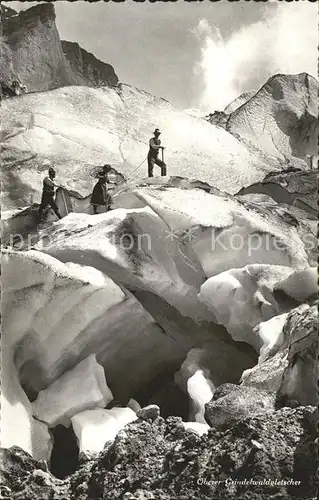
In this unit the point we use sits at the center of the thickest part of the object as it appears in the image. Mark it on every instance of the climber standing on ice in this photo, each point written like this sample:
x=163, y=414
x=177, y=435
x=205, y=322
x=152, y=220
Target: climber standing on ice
x=152, y=157
x=48, y=195
x=100, y=195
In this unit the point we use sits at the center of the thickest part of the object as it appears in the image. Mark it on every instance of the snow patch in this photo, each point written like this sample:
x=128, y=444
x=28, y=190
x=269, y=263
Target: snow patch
x=94, y=428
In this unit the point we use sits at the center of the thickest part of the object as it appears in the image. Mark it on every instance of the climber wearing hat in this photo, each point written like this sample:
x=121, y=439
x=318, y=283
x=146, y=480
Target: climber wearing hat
x=18, y=88
x=100, y=195
x=48, y=195
x=152, y=157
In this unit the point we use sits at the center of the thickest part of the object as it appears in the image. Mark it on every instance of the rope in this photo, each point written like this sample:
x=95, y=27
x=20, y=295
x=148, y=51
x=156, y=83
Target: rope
x=139, y=166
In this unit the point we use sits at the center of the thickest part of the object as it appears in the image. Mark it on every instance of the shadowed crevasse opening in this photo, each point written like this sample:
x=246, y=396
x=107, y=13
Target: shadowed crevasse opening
x=65, y=453
x=164, y=392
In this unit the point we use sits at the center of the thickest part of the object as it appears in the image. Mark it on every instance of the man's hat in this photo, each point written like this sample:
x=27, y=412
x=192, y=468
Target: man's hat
x=156, y=131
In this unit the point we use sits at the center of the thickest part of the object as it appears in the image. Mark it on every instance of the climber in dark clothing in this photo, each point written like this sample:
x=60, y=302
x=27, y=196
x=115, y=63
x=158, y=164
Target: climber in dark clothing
x=152, y=157
x=48, y=195
x=100, y=196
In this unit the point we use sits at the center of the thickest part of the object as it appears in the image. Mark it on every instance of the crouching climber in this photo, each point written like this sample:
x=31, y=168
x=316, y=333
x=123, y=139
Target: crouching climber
x=48, y=195
x=100, y=195
x=152, y=157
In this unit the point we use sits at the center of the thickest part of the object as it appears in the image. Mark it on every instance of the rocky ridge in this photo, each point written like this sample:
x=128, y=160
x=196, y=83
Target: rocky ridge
x=270, y=456
x=32, y=53
x=291, y=187
x=280, y=120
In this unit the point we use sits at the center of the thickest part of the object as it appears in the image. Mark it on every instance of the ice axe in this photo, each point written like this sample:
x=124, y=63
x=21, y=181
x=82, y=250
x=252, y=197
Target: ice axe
x=163, y=169
x=64, y=200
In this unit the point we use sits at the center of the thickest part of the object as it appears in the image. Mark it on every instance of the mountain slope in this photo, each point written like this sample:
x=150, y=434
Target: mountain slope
x=77, y=127
x=239, y=101
x=281, y=119
x=31, y=51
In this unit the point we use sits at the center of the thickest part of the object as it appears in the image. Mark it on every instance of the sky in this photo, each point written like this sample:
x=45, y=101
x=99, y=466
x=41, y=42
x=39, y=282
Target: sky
x=198, y=55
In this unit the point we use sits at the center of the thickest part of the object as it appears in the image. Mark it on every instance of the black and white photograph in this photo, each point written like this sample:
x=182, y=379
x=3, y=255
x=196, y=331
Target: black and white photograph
x=159, y=283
